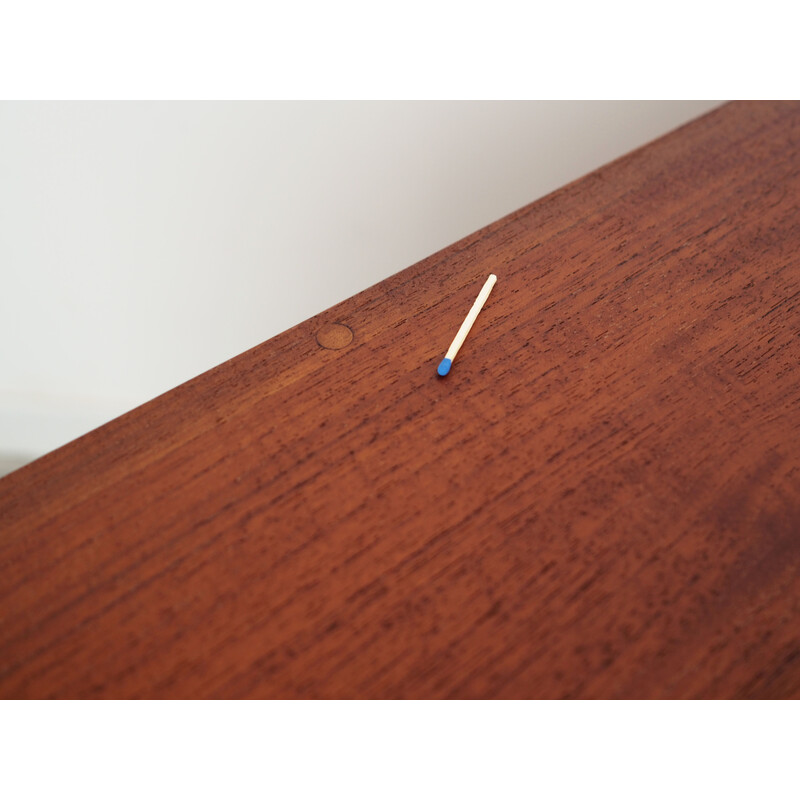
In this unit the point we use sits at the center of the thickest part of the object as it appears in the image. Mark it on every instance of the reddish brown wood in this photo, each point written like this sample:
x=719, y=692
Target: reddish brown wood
x=601, y=500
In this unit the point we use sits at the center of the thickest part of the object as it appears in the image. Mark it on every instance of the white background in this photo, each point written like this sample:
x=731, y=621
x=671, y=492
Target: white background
x=143, y=243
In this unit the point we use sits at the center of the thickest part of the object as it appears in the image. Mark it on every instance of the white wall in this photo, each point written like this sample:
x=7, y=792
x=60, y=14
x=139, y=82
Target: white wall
x=143, y=243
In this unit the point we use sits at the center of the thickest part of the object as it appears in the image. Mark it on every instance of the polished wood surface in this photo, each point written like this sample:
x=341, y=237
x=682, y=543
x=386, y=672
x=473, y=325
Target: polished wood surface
x=602, y=499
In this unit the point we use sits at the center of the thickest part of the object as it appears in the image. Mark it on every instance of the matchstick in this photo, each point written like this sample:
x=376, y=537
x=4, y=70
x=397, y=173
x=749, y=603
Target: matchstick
x=447, y=361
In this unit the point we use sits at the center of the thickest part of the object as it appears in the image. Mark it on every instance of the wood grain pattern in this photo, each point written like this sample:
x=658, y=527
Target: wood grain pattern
x=601, y=500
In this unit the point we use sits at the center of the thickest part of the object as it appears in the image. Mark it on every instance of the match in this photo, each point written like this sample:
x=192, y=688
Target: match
x=466, y=325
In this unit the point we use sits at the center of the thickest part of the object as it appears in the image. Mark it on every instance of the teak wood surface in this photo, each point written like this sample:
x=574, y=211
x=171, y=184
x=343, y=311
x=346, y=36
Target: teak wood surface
x=602, y=499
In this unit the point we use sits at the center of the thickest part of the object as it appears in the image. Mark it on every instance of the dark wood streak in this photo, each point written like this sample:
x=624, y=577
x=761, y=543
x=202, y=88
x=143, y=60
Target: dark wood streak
x=601, y=500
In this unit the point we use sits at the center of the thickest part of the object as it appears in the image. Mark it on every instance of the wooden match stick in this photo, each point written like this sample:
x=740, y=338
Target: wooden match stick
x=447, y=361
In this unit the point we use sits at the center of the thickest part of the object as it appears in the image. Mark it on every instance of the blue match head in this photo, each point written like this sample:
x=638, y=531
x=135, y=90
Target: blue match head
x=444, y=367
